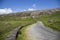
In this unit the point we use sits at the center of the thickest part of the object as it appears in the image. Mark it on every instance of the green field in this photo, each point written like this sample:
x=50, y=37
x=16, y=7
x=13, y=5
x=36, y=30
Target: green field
x=9, y=23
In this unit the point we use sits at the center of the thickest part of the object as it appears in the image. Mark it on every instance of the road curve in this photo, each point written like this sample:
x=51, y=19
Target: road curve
x=38, y=31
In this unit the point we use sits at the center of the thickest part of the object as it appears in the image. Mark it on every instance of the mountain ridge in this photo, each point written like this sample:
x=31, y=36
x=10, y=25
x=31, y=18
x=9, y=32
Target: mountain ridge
x=33, y=13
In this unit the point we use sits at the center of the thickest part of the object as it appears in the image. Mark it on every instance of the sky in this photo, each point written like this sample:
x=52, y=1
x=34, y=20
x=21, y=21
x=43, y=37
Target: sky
x=25, y=5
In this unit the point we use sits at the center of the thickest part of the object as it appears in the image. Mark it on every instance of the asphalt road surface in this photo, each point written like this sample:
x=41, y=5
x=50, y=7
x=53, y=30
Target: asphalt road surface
x=38, y=31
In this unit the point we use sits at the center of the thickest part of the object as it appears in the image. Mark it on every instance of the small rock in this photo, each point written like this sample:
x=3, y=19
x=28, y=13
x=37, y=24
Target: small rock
x=50, y=21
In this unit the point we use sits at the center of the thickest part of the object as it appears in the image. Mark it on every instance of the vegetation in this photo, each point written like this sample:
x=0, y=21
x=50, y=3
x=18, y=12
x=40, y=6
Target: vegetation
x=8, y=23
x=52, y=20
x=49, y=20
x=22, y=34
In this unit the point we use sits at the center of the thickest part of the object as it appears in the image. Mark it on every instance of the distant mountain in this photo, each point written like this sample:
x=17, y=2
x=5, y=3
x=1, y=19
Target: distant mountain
x=33, y=13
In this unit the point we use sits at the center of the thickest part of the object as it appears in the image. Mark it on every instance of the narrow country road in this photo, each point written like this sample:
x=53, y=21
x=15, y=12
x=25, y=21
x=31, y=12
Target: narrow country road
x=38, y=31
x=12, y=34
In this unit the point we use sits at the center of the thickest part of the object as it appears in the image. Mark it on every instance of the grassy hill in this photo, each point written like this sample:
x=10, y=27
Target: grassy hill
x=50, y=17
x=52, y=21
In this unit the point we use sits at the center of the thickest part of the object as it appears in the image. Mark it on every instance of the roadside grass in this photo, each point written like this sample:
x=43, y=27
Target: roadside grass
x=54, y=20
x=22, y=34
x=6, y=27
x=9, y=24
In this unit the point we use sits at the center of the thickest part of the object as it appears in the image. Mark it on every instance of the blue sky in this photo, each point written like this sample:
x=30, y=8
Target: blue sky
x=19, y=5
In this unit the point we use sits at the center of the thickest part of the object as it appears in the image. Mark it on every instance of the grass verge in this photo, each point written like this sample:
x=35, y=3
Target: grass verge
x=22, y=34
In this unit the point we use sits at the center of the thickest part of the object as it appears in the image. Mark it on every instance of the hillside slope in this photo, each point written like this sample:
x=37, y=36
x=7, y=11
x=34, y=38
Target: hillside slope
x=51, y=18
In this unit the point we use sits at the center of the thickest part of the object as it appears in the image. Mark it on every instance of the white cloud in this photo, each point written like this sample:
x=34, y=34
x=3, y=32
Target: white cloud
x=30, y=9
x=5, y=11
x=24, y=10
x=34, y=5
